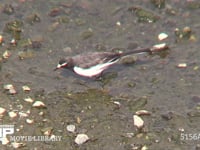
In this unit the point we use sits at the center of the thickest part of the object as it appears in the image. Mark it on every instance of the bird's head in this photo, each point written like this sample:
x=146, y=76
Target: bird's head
x=61, y=64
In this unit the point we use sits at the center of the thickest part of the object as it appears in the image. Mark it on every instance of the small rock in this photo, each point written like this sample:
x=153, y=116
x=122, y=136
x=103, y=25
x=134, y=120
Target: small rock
x=78, y=120
x=26, y=88
x=130, y=135
x=1, y=39
x=10, y=88
x=81, y=138
x=6, y=54
x=142, y=112
x=138, y=122
x=17, y=145
x=41, y=113
x=12, y=91
x=13, y=42
x=28, y=111
x=196, y=68
x=117, y=103
x=162, y=36
x=4, y=141
x=118, y=23
x=39, y=104
x=22, y=114
x=47, y=131
x=12, y=114
x=29, y=121
x=182, y=65
x=28, y=99
x=144, y=147
x=71, y=128
x=181, y=129
x=2, y=111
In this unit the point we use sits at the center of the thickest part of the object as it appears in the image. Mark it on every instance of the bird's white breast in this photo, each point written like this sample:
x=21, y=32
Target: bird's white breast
x=94, y=70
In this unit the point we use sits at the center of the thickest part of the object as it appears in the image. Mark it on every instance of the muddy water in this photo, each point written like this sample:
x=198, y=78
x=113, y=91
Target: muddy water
x=102, y=109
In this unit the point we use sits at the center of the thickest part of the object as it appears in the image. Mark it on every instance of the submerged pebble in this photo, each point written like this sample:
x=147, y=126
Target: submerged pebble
x=81, y=138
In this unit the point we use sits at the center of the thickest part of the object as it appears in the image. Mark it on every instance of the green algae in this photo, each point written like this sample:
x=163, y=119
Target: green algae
x=144, y=15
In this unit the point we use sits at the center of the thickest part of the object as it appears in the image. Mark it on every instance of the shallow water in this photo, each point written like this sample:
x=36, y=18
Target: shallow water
x=152, y=83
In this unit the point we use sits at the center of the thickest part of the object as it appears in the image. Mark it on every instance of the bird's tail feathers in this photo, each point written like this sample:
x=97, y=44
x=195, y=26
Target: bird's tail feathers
x=136, y=51
x=155, y=48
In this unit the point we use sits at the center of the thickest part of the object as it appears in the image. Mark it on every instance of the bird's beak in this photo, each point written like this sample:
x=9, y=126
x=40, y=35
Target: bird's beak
x=58, y=67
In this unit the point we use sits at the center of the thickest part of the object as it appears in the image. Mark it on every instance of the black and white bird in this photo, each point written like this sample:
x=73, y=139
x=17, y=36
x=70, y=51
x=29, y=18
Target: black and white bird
x=92, y=64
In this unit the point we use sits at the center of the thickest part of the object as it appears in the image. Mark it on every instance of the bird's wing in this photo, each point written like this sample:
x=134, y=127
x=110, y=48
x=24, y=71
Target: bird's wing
x=88, y=60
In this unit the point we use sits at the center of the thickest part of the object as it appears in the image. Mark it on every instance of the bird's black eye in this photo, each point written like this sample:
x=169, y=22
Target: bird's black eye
x=62, y=61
